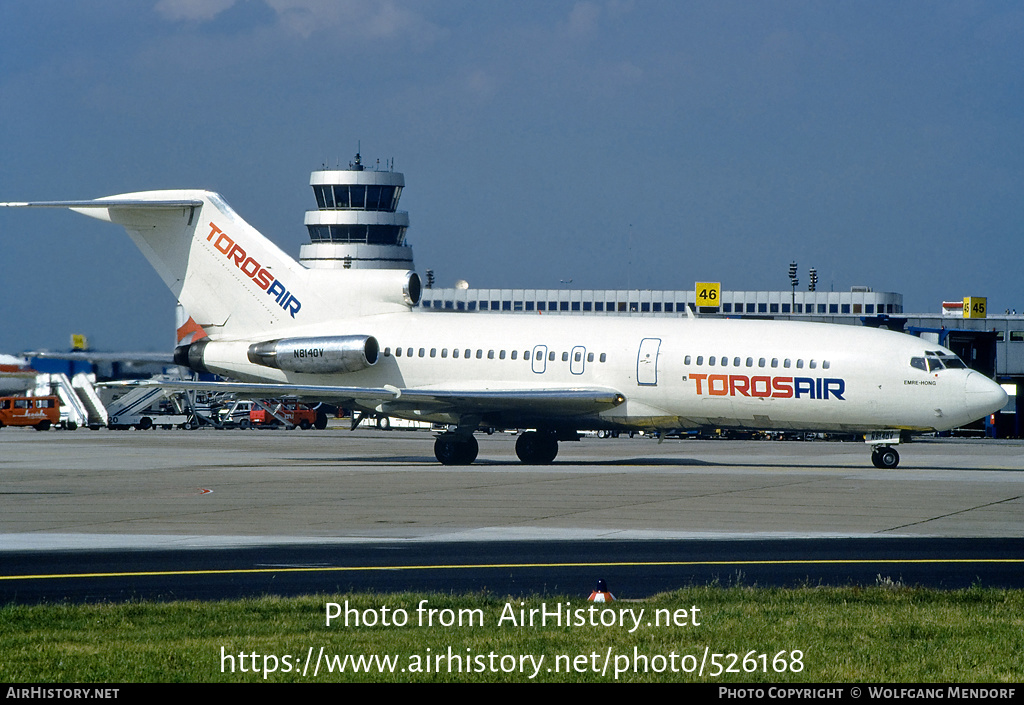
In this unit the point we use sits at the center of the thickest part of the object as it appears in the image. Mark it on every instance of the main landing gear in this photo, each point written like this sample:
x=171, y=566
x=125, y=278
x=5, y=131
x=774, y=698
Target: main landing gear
x=884, y=457
x=532, y=447
x=455, y=448
x=537, y=447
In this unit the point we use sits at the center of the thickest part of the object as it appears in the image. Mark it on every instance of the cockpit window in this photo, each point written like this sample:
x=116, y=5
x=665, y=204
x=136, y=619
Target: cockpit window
x=953, y=362
x=938, y=360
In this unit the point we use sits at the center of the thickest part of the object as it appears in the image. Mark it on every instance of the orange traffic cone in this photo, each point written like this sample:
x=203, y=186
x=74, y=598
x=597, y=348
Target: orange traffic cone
x=601, y=593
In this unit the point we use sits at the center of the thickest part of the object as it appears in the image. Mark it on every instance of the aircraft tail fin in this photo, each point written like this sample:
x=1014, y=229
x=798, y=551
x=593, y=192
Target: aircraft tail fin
x=233, y=281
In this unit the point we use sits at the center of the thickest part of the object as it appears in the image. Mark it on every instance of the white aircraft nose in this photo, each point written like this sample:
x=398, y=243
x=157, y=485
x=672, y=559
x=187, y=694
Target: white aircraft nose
x=983, y=395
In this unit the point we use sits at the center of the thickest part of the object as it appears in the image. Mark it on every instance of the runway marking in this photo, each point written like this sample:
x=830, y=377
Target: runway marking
x=477, y=566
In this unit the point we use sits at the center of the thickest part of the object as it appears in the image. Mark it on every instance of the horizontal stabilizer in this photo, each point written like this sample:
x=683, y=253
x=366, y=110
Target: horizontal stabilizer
x=107, y=203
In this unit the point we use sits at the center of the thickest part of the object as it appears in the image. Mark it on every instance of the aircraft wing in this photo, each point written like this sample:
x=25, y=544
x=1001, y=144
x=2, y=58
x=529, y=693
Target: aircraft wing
x=546, y=402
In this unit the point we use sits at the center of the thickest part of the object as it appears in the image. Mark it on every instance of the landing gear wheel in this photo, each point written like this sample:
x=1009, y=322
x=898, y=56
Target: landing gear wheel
x=453, y=449
x=537, y=448
x=885, y=458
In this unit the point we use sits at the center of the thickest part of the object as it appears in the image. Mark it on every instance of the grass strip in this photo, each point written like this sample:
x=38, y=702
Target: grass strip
x=886, y=633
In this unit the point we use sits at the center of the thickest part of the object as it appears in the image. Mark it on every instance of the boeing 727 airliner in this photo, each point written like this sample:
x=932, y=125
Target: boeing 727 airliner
x=352, y=337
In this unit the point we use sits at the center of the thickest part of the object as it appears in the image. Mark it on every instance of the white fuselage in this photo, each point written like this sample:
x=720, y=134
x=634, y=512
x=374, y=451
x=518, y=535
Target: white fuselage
x=673, y=372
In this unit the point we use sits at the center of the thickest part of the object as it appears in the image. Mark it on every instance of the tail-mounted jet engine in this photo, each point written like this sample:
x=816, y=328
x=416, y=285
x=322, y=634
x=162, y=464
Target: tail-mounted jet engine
x=326, y=355
x=319, y=355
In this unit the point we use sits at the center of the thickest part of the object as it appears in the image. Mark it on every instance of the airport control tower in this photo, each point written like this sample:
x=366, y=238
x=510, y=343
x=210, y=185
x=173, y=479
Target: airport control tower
x=356, y=224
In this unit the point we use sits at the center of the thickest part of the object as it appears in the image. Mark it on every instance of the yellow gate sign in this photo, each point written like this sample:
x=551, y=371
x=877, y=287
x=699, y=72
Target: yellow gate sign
x=974, y=306
x=709, y=294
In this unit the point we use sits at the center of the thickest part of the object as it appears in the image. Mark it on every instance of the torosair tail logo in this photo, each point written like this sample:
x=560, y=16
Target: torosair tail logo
x=254, y=270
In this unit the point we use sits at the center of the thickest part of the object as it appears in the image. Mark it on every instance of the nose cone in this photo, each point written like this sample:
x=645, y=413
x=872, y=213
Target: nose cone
x=983, y=395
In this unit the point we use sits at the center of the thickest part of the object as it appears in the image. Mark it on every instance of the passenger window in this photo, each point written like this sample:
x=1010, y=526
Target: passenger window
x=578, y=357
x=760, y=362
x=686, y=360
x=814, y=365
x=514, y=354
x=444, y=352
x=590, y=357
x=433, y=352
x=526, y=354
x=565, y=357
x=479, y=354
x=775, y=362
x=785, y=363
x=423, y=352
x=700, y=360
x=455, y=353
x=387, y=352
x=501, y=355
x=398, y=352
x=750, y=362
x=799, y=364
x=825, y=365
x=551, y=356
x=735, y=362
x=490, y=354
x=711, y=361
x=408, y=352
x=603, y=357
x=468, y=354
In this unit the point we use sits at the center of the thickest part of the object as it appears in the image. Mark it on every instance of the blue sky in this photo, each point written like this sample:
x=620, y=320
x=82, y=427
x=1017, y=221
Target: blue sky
x=611, y=142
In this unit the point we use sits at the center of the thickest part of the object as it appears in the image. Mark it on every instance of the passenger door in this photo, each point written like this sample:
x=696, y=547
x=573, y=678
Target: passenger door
x=647, y=362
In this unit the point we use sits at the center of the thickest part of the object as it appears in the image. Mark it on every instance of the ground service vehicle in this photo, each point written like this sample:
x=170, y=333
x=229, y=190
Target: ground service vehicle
x=38, y=412
x=288, y=412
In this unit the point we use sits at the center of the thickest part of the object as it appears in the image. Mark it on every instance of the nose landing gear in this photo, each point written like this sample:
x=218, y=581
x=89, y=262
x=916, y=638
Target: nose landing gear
x=885, y=457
